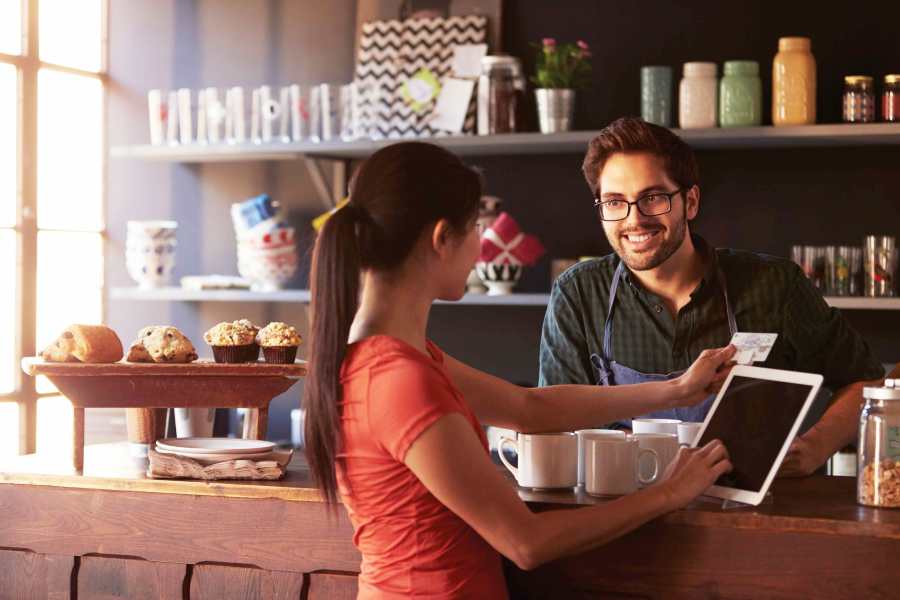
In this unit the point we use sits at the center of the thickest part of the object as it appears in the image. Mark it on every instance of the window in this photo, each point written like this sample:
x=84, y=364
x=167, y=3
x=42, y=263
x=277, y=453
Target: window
x=52, y=91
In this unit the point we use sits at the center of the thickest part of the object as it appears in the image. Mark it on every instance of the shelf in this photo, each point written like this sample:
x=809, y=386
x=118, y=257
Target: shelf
x=860, y=303
x=176, y=294
x=572, y=142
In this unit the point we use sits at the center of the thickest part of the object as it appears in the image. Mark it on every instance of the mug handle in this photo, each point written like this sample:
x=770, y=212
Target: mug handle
x=655, y=466
x=503, y=442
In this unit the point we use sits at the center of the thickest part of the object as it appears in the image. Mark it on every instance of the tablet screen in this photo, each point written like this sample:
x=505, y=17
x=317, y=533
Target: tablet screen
x=753, y=419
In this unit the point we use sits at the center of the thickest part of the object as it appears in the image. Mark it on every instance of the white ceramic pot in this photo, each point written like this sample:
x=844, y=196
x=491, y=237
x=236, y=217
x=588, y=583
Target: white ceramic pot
x=500, y=278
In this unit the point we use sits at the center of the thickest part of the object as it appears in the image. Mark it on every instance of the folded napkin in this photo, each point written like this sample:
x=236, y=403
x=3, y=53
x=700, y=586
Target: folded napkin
x=171, y=466
x=505, y=243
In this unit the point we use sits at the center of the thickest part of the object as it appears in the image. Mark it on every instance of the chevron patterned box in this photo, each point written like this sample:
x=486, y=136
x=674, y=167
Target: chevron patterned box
x=392, y=52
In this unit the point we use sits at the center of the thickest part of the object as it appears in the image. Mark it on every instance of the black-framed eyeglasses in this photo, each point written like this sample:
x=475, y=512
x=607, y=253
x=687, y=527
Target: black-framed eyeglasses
x=650, y=205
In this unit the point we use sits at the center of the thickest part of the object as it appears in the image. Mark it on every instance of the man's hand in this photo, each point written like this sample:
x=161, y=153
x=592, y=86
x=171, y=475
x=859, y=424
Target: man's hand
x=803, y=457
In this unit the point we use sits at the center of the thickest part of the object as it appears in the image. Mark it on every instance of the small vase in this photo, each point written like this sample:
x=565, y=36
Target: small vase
x=556, y=108
x=500, y=278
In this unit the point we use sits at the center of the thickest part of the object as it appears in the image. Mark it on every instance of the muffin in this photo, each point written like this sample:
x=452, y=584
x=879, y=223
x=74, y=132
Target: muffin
x=252, y=354
x=279, y=342
x=232, y=342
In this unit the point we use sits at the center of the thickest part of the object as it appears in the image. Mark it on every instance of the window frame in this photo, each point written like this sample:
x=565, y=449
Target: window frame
x=28, y=64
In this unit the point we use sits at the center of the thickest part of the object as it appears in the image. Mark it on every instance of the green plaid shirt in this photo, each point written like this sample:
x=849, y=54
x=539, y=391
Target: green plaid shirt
x=767, y=295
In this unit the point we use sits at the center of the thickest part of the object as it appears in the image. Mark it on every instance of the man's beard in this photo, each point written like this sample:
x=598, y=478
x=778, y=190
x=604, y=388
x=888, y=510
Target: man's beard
x=644, y=261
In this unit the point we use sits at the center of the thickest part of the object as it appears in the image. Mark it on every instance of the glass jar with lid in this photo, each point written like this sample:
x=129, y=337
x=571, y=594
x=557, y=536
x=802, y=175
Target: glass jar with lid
x=878, y=456
x=890, y=99
x=499, y=86
x=859, y=99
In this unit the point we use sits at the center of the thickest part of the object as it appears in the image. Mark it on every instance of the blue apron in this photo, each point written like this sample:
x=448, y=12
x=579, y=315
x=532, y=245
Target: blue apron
x=609, y=372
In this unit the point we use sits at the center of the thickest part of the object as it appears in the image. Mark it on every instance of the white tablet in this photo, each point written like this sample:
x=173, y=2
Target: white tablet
x=756, y=415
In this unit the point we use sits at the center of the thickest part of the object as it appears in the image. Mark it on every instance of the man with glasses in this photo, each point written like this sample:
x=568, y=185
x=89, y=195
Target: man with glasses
x=647, y=311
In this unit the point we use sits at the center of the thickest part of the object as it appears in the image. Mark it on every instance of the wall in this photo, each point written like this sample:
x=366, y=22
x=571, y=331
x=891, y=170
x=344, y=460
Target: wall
x=763, y=200
x=170, y=44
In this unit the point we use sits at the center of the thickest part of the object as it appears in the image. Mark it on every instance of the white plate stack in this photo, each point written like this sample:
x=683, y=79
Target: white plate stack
x=208, y=451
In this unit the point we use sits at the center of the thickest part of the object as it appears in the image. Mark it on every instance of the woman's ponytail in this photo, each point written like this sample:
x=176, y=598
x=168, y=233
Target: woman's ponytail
x=335, y=278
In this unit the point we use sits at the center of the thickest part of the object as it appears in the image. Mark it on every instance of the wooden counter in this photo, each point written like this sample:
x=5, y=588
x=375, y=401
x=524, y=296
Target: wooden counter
x=112, y=533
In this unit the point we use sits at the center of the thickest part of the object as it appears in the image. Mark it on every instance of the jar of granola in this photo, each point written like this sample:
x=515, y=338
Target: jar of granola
x=878, y=474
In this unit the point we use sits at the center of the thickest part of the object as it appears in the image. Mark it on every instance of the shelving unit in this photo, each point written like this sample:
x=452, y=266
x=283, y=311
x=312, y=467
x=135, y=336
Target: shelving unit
x=170, y=294
x=523, y=143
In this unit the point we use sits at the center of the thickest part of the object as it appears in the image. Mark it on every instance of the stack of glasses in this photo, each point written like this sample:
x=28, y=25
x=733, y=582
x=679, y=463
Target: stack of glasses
x=869, y=270
x=291, y=113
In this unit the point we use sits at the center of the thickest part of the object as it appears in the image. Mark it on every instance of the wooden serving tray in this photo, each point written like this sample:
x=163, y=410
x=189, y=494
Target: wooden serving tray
x=154, y=385
x=201, y=384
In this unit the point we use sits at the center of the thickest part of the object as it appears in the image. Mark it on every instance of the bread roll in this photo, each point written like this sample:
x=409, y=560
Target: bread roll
x=85, y=343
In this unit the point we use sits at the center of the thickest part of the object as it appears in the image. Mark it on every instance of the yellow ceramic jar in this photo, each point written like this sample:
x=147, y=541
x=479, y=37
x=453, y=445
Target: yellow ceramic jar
x=794, y=83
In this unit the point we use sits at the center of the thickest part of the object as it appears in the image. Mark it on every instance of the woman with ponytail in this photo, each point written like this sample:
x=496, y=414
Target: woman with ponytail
x=394, y=426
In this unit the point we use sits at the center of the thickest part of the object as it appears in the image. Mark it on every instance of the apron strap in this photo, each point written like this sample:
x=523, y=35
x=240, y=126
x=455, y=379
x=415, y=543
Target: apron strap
x=607, y=327
x=732, y=322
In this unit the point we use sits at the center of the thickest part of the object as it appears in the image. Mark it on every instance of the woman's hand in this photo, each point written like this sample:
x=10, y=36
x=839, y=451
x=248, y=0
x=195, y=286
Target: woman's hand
x=705, y=377
x=694, y=470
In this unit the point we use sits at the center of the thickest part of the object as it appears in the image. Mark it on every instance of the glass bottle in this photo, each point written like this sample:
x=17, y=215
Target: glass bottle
x=697, y=96
x=878, y=454
x=859, y=99
x=740, y=94
x=794, y=83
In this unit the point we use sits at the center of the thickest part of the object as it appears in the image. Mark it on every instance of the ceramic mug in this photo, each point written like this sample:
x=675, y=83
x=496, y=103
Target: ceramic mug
x=655, y=426
x=612, y=466
x=546, y=460
x=688, y=432
x=665, y=445
x=592, y=433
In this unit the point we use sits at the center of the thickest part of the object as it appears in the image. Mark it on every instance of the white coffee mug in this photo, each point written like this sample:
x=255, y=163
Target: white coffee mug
x=586, y=433
x=611, y=466
x=688, y=432
x=655, y=426
x=665, y=445
x=546, y=460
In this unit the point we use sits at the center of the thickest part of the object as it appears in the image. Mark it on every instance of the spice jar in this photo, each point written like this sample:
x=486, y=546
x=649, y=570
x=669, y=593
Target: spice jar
x=697, y=96
x=794, y=83
x=878, y=455
x=890, y=99
x=740, y=94
x=859, y=99
x=498, y=90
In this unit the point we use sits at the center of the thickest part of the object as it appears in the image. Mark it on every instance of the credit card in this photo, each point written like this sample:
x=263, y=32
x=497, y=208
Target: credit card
x=753, y=347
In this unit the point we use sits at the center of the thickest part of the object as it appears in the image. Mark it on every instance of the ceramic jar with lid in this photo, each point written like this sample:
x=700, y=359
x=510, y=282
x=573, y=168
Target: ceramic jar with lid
x=740, y=94
x=697, y=95
x=878, y=454
x=794, y=83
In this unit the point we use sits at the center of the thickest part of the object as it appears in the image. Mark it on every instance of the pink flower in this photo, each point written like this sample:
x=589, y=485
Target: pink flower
x=583, y=45
x=549, y=43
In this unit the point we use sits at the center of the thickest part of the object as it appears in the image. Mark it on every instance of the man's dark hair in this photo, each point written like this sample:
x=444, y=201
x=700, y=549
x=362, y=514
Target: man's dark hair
x=630, y=134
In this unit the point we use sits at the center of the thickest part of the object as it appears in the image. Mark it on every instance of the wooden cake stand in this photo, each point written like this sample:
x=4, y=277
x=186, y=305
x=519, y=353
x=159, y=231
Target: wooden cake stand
x=201, y=384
